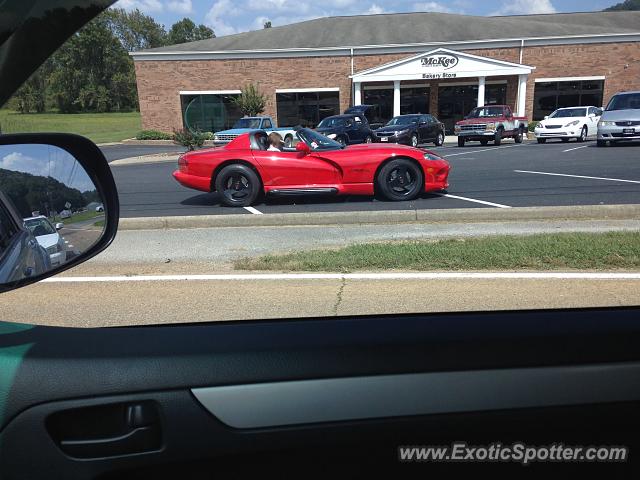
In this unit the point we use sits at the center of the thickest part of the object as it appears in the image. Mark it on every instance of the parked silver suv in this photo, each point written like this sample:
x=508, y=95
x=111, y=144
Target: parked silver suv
x=620, y=121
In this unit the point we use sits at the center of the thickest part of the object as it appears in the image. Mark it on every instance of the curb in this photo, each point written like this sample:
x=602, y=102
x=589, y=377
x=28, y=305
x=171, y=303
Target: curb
x=454, y=215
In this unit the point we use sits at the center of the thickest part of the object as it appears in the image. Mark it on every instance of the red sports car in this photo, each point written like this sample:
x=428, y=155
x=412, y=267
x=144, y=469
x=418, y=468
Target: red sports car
x=244, y=168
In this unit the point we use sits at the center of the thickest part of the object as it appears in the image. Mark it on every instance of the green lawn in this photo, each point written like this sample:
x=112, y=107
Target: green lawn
x=582, y=251
x=99, y=127
x=79, y=217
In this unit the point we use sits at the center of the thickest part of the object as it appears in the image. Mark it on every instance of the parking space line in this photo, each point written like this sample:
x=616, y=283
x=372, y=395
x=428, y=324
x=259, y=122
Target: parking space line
x=255, y=211
x=354, y=276
x=578, y=176
x=575, y=148
x=491, y=204
x=485, y=150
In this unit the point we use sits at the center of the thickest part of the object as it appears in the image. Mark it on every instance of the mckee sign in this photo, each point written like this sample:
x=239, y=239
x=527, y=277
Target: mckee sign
x=440, y=60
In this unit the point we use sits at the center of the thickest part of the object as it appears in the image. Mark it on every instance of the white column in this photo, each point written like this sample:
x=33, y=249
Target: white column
x=396, y=98
x=481, y=91
x=522, y=94
x=357, y=93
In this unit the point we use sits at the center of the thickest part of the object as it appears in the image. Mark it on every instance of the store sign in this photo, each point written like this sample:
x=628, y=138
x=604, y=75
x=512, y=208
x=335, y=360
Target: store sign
x=439, y=61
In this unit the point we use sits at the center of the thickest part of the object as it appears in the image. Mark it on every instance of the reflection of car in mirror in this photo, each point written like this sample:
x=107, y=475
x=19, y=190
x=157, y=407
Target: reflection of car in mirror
x=48, y=237
x=244, y=169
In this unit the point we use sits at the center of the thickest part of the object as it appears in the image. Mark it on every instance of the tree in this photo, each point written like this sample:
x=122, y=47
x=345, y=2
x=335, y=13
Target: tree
x=185, y=31
x=250, y=102
x=267, y=24
x=135, y=30
x=626, y=5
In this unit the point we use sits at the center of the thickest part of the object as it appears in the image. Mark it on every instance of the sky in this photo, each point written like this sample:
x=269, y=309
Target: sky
x=45, y=160
x=227, y=17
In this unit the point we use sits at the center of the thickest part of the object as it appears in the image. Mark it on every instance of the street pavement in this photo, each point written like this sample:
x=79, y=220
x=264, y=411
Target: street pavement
x=126, y=150
x=511, y=175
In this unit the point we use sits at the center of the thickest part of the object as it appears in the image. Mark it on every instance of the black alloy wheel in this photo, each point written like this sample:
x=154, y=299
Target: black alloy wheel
x=238, y=185
x=400, y=179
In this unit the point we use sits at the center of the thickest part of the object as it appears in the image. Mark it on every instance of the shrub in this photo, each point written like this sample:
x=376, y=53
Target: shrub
x=532, y=126
x=188, y=138
x=208, y=135
x=250, y=102
x=153, y=135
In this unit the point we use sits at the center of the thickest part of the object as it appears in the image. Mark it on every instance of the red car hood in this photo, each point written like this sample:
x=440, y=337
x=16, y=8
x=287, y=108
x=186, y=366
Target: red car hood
x=473, y=121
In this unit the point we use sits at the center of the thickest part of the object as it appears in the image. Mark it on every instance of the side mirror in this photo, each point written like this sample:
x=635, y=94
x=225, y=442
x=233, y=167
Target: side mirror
x=54, y=170
x=303, y=148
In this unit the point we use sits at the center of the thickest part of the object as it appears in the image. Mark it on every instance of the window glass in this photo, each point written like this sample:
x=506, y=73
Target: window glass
x=382, y=101
x=8, y=230
x=414, y=100
x=209, y=113
x=267, y=124
x=306, y=108
x=548, y=96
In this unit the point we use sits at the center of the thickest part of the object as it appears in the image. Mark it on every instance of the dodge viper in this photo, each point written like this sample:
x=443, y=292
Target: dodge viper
x=244, y=169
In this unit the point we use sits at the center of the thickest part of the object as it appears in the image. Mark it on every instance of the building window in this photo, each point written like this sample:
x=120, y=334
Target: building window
x=382, y=101
x=210, y=112
x=414, y=100
x=306, y=108
x=549, y=96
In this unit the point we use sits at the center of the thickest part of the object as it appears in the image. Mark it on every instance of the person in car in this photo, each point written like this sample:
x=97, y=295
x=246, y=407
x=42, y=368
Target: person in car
x=275, y=142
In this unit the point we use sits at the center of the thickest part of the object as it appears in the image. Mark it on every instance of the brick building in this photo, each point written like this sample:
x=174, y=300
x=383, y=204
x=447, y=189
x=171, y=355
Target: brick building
x=436, y=63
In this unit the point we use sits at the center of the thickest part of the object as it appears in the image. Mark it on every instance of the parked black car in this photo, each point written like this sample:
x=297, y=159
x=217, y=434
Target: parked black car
x=412, y=130
x=346, y=129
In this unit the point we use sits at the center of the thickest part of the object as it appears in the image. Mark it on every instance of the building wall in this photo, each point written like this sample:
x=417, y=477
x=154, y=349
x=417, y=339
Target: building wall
x=159, y=82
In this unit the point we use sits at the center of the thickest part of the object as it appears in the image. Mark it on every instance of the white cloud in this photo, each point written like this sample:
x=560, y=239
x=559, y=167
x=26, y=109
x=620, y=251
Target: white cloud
x=180, y=6
x=19, y=162
x=525, y=7
x=147, y=6
x=214, y=17
x=431, y=7
x=375, y=9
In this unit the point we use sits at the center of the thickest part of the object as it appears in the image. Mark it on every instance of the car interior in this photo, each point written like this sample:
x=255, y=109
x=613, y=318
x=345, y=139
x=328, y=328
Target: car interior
x=294, y=397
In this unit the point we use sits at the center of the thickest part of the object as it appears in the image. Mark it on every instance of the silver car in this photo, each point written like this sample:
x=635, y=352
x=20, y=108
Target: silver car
x=620, y=121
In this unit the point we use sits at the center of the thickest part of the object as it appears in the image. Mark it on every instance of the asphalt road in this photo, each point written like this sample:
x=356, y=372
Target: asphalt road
x=117, y=152
x=501, y=176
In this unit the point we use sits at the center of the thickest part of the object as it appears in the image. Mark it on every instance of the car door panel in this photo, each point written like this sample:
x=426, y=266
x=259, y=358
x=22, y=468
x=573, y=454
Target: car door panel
x=295, y=169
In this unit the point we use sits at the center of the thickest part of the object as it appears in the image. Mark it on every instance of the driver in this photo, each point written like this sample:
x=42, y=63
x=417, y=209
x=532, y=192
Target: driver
x=275, y=142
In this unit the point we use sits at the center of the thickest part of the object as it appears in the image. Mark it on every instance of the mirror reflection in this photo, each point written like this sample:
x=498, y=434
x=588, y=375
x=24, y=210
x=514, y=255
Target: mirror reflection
x=50, y=210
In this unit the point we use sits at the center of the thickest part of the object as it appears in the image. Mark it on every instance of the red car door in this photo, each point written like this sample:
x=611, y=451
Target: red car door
x=295, y=169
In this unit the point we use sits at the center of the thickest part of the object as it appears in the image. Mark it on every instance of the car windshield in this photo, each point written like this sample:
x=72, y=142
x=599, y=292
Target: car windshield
x=627, y=101
x=403, y=120
x=569, y=112
x=247, y=123
x=333, y=122
x=317, y=141
x=39, y=226
x=482, y=112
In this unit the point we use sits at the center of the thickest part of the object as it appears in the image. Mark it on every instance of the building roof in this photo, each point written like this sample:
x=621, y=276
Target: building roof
x=413, y=28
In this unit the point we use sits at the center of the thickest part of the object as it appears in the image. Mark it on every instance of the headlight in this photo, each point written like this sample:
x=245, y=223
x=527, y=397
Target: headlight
x=456, y=128
x=401, y=132
x=215, y=137
x=432, y=156
x=604, y=123
x=540, y=125
x=571, y=124
x=332, y=136
x=490, y=126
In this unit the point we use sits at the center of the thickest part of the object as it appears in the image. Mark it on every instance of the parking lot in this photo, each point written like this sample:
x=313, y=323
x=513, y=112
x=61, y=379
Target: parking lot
x=512, y=175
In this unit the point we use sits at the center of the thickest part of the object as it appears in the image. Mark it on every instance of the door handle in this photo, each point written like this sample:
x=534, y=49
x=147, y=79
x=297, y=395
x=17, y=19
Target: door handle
x=107, y=430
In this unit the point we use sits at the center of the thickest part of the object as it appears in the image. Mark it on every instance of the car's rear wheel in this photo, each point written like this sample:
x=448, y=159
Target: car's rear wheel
x=368, y=139
x=238, y=185
x=439, y=140
x=542, y=140
x=518, y=137
x=414, y=140
x=484, y=142
x=497, y=140
x=601, y=143
x=400, y=179
x=460, y=142
x=583, y=135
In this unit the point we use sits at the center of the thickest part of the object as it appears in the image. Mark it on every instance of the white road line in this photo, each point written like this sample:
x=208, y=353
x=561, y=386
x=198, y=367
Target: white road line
x=575, y=148
x=491, y=204
x=253, y=210
x=578, y=176
x=478, y=151
x=356, y=276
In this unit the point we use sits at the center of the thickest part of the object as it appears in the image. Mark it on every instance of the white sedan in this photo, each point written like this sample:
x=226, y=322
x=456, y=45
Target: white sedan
x=571, y=122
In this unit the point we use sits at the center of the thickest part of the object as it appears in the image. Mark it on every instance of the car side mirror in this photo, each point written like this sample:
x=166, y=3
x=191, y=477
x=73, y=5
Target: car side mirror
x=303, y=148
x=41, y=174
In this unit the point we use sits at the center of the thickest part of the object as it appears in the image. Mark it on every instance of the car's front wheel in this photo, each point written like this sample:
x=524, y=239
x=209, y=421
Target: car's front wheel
x=400, y=179
x=601, y=143
x=439, y=140
x=368, y=139
x=583, y=135
x=341, y=140
x=542, y=140
x=238, y=185
x=414, y=140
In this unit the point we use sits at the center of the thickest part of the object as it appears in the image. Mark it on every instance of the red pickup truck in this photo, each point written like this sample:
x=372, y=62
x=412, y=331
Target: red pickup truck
x=490, y=123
